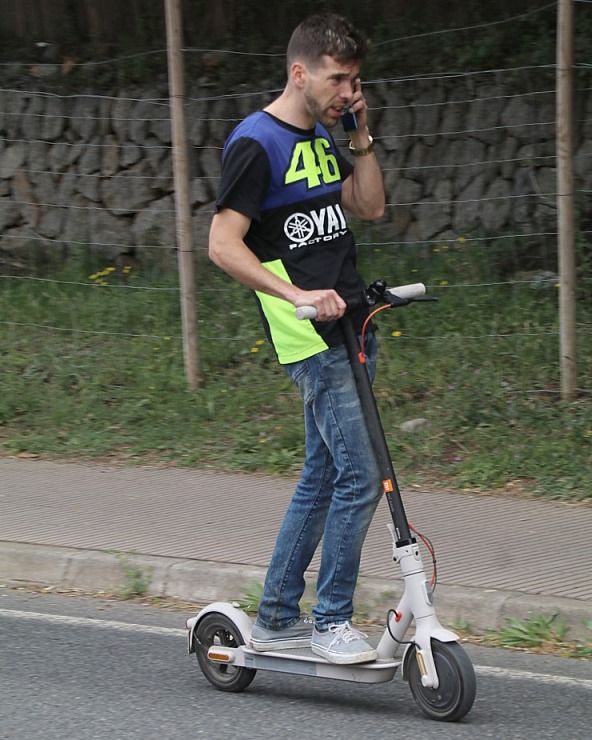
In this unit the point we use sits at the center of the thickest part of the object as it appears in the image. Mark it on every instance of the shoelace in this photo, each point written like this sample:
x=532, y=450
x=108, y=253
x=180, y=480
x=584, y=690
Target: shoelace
x=345, y=632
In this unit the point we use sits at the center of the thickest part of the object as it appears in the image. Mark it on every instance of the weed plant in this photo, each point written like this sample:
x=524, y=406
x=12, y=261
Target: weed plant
x=137, y=582
x=539, y=633
x=91, y=367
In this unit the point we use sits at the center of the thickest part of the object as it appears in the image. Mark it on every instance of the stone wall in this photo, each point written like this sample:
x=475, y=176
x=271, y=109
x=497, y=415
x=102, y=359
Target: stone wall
x=95, y=172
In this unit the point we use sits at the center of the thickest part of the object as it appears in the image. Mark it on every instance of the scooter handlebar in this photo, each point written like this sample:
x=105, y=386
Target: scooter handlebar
x=306, y=312
x=405, y=293
x=408, y=292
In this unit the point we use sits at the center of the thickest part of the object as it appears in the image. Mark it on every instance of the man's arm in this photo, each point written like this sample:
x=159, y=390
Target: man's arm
x=229, y=252
x=363, y=191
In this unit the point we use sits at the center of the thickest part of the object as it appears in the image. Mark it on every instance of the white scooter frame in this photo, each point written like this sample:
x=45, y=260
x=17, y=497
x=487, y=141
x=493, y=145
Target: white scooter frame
x=439, y=672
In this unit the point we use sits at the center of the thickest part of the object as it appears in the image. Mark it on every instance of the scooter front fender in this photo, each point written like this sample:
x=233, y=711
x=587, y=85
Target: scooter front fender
x=241, y=619
x=427, y=630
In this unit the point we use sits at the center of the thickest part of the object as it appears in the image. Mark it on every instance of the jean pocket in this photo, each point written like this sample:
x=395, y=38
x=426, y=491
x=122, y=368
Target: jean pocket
x=300, y=375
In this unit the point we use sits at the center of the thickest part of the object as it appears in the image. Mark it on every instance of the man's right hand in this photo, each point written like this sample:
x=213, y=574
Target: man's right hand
x=329, y=304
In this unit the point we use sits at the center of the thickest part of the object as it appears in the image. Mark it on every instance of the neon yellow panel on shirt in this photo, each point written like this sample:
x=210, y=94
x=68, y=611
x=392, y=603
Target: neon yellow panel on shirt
x=293, y=340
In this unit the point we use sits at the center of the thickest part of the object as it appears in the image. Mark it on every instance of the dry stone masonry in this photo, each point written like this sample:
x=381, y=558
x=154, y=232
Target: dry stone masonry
x=92, y=171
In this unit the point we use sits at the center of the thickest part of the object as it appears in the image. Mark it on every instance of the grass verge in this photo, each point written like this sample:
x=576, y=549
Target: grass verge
x=91, y=367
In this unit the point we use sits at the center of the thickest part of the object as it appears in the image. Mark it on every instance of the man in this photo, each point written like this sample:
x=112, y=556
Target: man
x=280, y=229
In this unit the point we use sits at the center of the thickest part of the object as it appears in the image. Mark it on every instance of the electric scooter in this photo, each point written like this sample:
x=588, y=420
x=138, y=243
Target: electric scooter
x=439, y=672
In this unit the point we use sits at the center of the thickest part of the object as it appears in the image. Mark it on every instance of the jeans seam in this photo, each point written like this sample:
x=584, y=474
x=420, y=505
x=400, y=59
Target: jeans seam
x=345, y=456
x=297, y=545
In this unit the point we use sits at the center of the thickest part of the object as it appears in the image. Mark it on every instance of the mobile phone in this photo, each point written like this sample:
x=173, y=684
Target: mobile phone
x=349, y=120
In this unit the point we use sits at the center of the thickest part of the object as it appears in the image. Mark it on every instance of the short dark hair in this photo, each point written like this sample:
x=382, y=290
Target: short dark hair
x=327, y=34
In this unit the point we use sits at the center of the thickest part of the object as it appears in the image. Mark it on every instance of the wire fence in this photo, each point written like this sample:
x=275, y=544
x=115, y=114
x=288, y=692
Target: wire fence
x=87, y=204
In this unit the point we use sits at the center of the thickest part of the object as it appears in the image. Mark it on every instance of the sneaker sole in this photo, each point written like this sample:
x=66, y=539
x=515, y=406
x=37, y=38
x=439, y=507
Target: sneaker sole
x=268, y=646
x=344, y=658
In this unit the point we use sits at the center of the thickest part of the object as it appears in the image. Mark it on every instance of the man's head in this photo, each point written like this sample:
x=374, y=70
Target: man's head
x=324, y=57
x=323, y=35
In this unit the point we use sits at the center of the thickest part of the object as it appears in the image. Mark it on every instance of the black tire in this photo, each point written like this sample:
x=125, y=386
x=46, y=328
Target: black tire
x=455, y=694
x=217, y=629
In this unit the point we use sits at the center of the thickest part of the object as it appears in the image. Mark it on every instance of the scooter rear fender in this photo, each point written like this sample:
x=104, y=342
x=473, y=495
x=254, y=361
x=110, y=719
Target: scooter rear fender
x=241, y=619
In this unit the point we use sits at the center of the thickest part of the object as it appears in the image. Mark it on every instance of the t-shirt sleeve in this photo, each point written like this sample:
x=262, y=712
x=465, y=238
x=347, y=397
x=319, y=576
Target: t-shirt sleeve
x=245, y=178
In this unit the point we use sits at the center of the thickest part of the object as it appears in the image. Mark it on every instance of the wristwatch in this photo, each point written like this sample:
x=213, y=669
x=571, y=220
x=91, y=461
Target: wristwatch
x=362, y=152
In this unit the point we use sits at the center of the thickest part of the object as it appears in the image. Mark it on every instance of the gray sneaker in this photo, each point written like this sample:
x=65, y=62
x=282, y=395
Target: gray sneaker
x=296, y=636
x=341, y=643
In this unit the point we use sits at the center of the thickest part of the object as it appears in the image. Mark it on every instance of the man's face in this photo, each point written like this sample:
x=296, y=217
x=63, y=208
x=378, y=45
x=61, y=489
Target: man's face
x=329, y=88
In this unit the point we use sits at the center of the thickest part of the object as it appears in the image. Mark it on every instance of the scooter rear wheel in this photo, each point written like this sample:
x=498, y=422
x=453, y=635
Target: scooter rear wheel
x=455, y=694
x=218, y=629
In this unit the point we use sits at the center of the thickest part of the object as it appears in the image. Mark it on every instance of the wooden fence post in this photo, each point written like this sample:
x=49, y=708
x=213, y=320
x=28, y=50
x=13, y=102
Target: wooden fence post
x=565, y=200
x=182, y=203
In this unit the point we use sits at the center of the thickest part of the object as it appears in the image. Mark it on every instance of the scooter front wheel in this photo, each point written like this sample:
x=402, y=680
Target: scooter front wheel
x=217, y=629
x=457, y=687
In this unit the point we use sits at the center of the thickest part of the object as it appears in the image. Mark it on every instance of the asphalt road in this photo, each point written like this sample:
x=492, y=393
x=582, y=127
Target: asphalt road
x=78, y=667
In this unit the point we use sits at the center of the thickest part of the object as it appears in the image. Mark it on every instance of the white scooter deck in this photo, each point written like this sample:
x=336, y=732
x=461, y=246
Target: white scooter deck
x=304, y=662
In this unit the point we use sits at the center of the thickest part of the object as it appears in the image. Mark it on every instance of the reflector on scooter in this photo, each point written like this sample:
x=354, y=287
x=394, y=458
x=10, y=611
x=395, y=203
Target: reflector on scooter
x=421, y=664
x=220, y=656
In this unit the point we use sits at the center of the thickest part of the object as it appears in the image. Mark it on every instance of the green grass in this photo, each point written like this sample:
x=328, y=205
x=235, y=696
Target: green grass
x=249, y=602
x=107, y=381
x=539, y=633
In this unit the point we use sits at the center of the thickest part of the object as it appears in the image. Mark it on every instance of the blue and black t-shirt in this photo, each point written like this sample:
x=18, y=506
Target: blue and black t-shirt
x=288, y=182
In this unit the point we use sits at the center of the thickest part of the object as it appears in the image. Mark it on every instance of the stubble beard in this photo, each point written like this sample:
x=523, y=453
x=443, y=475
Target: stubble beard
x=319, y=114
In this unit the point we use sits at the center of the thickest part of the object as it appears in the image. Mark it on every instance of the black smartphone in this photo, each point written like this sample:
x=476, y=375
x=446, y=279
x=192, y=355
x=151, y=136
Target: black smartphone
x=349, y=120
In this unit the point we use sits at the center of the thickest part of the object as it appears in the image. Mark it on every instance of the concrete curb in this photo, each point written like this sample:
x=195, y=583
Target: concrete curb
x=202, y=582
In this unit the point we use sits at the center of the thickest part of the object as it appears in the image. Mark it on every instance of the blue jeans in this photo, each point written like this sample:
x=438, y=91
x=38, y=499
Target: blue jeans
x=335, y=498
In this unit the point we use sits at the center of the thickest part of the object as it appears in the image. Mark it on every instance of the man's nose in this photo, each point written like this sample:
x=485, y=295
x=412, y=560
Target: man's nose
x=347, y=90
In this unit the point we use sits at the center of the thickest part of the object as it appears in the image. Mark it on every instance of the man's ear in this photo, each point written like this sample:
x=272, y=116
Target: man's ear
x=298, y=74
